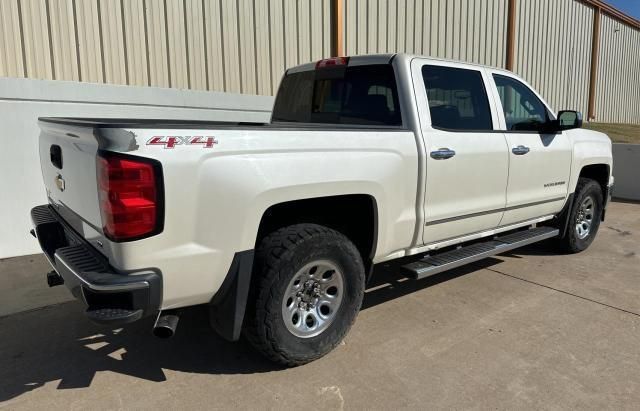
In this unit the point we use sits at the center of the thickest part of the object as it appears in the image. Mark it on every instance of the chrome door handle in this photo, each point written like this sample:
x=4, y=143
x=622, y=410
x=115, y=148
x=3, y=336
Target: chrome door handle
x=520, y=150
x=442, y=154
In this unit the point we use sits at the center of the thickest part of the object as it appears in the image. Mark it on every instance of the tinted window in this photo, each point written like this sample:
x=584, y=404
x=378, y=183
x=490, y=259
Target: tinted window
x=522, y=109
x=457, y=98
x=340, y=95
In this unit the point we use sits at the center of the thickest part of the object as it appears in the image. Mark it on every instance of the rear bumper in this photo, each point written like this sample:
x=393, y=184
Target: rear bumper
x=111, y=297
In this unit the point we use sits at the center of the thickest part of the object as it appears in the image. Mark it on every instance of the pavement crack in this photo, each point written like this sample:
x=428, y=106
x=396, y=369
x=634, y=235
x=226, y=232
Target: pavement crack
x=515, y=277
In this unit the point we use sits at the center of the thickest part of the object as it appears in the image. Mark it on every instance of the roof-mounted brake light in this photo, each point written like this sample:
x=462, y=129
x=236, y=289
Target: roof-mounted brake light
x=332, y=61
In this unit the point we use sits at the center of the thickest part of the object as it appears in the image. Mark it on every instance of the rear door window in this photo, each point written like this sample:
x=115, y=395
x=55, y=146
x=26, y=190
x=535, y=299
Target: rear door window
x=457, y=99
x=365, y=95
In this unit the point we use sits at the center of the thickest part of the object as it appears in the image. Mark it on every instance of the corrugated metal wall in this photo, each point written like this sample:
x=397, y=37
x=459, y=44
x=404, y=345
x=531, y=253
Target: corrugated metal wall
x=469, y=30
x=225, y=45
x=618, y=81
x=553, y=50
x=245, y=45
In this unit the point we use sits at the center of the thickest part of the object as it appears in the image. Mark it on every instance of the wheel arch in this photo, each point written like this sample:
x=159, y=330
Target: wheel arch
x=354, y=215
x=598, y=172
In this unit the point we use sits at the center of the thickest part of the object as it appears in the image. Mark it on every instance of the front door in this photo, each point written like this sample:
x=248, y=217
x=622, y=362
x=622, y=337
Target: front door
x=466, y=159
x=539, y=163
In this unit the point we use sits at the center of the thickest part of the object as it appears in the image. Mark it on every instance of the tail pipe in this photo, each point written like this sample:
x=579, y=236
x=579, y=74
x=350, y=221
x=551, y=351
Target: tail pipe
x=166, y=324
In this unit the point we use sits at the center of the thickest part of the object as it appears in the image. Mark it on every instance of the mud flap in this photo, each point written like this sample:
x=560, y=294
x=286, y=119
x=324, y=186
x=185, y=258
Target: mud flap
x=227, y=307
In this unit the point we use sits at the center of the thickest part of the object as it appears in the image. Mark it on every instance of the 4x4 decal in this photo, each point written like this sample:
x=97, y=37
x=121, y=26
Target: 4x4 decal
x=173, y=141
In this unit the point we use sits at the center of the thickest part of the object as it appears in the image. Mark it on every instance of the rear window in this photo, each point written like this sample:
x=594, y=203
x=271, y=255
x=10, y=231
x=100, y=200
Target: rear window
x=457, y=98
x=365, y=95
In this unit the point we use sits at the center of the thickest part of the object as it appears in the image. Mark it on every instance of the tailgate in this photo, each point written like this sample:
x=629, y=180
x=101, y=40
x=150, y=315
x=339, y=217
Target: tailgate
x=68, y=162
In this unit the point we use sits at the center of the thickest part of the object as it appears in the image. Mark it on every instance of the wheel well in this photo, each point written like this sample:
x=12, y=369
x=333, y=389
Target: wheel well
x=354, y=215
x=599, y=173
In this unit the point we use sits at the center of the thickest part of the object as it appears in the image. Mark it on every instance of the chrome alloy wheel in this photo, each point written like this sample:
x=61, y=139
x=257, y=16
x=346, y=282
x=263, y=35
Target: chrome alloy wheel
x=312, y=298
x=584, y=218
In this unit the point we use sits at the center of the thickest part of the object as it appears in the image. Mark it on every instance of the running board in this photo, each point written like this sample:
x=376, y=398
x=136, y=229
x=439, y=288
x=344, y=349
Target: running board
x=437, y=263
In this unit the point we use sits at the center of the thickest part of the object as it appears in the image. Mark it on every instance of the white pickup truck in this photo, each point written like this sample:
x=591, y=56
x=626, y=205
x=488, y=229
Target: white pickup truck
x=277, y=227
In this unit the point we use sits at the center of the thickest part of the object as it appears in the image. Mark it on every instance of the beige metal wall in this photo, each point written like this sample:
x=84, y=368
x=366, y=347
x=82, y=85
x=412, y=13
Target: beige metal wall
x=553, y=50
x=618, y=81
x=469, y=30
x=245, y=45
x=223, y=45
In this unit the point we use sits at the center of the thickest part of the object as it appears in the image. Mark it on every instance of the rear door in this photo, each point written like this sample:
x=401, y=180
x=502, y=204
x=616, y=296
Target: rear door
x=467, y=159
x=539, y=162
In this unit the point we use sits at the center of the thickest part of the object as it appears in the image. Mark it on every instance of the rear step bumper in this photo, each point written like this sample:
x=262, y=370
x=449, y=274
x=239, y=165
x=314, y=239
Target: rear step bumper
x=437, y=263
x=111, y=297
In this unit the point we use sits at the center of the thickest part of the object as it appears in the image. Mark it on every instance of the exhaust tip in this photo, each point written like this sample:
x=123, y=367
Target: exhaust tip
x=165, y=326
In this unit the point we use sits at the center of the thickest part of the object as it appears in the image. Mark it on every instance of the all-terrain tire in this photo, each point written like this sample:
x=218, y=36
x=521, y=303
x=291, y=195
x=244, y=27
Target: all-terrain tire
x=586, y=189
x=279, y=258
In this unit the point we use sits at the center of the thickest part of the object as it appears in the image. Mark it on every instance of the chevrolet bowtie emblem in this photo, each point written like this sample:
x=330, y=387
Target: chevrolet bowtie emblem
x=60, y=182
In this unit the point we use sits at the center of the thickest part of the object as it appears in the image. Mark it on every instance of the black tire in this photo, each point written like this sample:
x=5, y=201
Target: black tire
x=279, y=257
x=586, y=188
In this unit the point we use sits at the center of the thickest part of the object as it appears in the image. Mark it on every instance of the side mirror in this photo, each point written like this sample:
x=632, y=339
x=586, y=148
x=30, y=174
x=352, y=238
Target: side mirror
x=568, y=119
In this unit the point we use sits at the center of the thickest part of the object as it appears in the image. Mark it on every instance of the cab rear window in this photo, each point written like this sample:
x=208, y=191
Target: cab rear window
x=365, y=95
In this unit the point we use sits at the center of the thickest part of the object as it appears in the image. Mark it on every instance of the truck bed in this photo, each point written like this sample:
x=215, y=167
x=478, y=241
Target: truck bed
x=128, y=123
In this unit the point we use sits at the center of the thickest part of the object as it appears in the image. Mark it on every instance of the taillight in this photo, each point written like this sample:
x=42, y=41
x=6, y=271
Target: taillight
x=129, y=191
x=332, y=61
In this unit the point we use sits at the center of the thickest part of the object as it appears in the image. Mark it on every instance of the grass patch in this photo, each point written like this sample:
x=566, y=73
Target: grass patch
x=619, y=133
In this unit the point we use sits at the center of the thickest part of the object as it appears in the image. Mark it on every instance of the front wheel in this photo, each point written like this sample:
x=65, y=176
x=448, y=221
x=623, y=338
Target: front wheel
x=585, y=216
x=308, y=288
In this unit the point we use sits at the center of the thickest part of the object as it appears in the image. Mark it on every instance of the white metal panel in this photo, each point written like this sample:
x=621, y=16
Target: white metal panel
x=618, y=85
x=304, y=36
x=135, y=38
x=57, y=98
x=383, y=6
x=89, y=44
x=214, y=53
x=277, y=43
x=230, y=40
x=63, y=40
x=36, y=39
x=196, y=45
x=246, y=45
x=11, y=51
x=113, y=45
x=326, y=28
x=216, y=45
x=290, y=33
x=553, y=49
x=401, y=14
x=467, y=30
x=177, y=44
x=263, y=50
x=156, y=35
x=391, y=18
x=316, y=26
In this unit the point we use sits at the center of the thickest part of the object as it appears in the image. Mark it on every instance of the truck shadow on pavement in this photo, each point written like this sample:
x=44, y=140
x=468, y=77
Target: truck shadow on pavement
x=57, y=343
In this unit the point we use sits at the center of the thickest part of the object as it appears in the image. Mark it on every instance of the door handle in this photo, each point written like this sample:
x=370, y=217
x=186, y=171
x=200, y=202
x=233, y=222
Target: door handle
x=520, y=150
x=442, y=154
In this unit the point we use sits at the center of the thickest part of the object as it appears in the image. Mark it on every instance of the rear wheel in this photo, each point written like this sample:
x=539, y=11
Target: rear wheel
x=584, y=219
x=308, y=288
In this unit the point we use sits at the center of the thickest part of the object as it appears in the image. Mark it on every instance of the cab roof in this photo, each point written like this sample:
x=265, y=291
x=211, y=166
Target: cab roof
x=359, y=60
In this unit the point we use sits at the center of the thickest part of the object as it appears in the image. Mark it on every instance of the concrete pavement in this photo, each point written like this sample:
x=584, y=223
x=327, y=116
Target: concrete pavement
x=528, y=330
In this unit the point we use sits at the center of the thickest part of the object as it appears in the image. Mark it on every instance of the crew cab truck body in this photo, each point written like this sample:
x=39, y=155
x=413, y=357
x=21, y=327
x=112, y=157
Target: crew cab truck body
x=277, y=226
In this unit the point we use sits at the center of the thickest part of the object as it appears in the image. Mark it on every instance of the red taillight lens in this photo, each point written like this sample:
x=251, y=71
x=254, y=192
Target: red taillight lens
x=129, y=197
x=332, y=61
